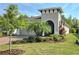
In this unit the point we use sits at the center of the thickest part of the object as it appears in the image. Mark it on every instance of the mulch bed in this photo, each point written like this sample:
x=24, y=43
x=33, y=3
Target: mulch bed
x=51, y=41
x=12, y=52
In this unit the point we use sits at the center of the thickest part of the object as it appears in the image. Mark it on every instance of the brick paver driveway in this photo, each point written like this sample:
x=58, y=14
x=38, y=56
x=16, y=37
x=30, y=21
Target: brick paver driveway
x=4, y=40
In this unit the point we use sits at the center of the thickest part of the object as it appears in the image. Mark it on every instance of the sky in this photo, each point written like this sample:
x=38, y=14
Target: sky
x=31, y=9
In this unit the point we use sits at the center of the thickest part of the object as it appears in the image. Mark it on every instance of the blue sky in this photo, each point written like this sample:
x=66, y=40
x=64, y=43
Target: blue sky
x=31, y=9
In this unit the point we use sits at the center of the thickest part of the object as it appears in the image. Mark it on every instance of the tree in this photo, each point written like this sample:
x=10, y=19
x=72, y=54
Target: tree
x=9, y=23
x=69, y=21
x=23, y=22
x=40, y=27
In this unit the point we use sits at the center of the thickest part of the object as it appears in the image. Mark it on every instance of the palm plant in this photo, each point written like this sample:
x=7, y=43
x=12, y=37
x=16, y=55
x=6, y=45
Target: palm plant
x=40, y=27
x=44, y=27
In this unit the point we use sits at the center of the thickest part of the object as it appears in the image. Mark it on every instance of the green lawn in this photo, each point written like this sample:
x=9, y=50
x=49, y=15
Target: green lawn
x=63, y=48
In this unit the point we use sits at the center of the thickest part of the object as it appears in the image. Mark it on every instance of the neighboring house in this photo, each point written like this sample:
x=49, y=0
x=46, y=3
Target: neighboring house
x=53, y=16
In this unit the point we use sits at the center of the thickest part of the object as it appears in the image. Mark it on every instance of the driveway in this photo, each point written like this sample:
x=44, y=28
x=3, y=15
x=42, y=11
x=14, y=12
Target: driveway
x=4, y=40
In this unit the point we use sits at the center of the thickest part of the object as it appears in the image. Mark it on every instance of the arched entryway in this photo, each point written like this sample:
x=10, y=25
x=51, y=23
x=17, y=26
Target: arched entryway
x=52, y=26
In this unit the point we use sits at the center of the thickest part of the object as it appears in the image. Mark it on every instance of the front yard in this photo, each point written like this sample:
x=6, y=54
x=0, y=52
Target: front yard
x=44, y=48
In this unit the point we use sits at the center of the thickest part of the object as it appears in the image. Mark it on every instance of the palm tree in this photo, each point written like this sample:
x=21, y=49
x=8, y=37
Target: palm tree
x=44, y=27
x=40, y=27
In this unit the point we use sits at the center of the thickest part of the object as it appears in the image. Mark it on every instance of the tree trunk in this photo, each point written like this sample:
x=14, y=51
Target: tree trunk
x=10, y=43
x=43, y=33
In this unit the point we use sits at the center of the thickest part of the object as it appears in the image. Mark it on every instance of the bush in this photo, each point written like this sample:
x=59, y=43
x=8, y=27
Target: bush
x=1, y=34
x=51, y=35
x=18, y=42
x=73, y=30
x=46, y=39
x=31, y=39
x=43, y=39
x=55, y=37
x=37, y=39
x=62, y=36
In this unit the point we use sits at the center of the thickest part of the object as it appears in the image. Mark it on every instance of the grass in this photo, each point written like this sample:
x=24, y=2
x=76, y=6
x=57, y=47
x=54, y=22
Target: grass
x=62, y=48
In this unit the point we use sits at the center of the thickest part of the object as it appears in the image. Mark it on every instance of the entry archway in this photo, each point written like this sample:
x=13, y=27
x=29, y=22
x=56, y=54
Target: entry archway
x=52, y=26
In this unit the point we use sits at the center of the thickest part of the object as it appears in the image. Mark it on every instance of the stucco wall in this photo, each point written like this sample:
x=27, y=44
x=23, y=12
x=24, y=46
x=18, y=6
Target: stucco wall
x=66, y=29
x=55, y=18
x=24, y=32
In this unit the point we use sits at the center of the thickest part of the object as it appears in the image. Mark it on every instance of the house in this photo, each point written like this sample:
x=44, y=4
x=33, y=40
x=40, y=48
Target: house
x=54, y=18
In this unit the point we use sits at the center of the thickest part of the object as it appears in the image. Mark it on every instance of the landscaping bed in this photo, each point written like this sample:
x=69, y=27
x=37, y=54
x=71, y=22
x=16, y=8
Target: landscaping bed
x=50, y=39
x=12, y=52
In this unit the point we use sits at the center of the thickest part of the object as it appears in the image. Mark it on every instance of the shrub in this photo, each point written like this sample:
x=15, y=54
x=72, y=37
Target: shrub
x=51, y=35
x=55, y=37
x=43, y=39
x=18, y=42
x=46, y=39
x=62, y=36
x=24, y=38
x=1, y=34
x=37, y=39
x=31, y=39
x=73, y=30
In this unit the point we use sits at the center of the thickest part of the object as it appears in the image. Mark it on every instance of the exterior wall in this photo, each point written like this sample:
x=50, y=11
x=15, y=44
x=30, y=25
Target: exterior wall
x=23, y=32
x=66, y=29
x=55, y=17
x=27, y=33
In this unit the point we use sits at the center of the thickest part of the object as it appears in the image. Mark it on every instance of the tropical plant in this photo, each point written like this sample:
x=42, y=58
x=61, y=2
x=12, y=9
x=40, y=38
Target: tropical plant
x=40, y=27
